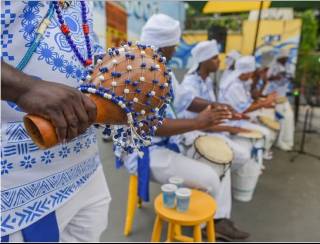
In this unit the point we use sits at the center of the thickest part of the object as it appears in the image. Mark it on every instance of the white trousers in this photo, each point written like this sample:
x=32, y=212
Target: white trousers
x=286, y=136
x=84, y=217
x=165, y=163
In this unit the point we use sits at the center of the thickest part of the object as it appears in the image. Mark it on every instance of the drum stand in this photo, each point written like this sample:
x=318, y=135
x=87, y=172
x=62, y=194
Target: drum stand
x=301, y=151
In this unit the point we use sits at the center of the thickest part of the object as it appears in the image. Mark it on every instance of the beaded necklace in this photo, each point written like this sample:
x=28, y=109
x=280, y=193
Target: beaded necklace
x=66, y=31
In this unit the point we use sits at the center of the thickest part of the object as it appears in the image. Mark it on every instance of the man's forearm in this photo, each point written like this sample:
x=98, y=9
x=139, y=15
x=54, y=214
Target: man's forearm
x=254, y=106
x=198, y=104
x=171, y=127
x=14, y=83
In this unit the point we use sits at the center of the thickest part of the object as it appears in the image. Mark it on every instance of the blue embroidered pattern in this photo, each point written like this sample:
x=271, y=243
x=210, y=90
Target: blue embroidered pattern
x=16, y=133
x=7, y=18
x=47, y=157
x=64, y=152
x=48, y=193
x=23, y=205
x=27, y=162
x=30, y=21
x=5, y=167
x=77, y=148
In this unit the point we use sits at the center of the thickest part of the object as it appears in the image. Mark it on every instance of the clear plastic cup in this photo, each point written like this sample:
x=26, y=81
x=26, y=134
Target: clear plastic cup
x=169, y=195
x=183, y=199
x=175, y=180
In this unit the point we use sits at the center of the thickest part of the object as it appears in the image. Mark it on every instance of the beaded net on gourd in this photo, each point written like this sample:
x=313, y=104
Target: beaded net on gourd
x=135, y=78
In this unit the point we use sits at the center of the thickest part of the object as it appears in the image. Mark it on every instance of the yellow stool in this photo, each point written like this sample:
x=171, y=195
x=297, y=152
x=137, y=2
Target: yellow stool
x=133, y=202
x=202, y=209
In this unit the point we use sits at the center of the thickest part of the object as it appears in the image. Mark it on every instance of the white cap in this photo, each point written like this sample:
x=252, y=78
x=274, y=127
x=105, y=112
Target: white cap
x=284, y=53
x=169, y=188
x=202, y=52
x=245, y=64
x=234, y=54
x=176, y=180
x=161, y=31
x=183, y=192
x=232, y=57
x=267, y=59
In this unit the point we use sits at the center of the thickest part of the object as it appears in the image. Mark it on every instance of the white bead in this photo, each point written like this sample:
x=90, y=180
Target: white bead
x=114, y=62
x=147, y=143
x=166, y=84
x=143, y=52
x=142, y=79
x=114, y=83
x=99, y=61
x=107, y=96
x=123, y=106
x=88, y=78
x=154, y=127
x=152, y=93
x=120, y=103
x=129, y=67
x=142, y=132
x=135, y=99
x=140, y=154
x=101, y=78
x=157, y=66
x=92, y=90
x=81, y=82
x=164, y=59
x=126, y=91
x=109, y=50
x=156, y=109
x=143, y=112
x=140, y=124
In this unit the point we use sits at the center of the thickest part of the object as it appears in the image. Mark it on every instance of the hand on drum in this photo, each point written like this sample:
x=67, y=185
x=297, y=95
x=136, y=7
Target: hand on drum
x=70, y=111
x=270, y=100
x=237, y=130
x=213, y=116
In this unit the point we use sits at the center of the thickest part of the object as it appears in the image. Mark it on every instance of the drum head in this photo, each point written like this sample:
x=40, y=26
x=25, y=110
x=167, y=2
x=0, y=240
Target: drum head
x=214, y=149
x=252, y=134
x=272, y=124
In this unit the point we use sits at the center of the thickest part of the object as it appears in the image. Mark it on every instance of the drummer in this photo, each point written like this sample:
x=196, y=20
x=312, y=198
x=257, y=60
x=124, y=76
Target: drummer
x=264, y=84
x=279, y=77
x=233, y=92
x=164, y=155
x=198, y=82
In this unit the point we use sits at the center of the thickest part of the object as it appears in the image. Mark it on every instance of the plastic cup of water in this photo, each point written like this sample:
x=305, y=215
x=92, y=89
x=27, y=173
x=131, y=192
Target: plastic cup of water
x=169, y=195
x=183, y=196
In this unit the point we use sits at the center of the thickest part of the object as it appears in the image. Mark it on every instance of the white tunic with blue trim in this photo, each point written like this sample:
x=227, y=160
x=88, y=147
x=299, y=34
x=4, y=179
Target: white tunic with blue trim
x=35, y=182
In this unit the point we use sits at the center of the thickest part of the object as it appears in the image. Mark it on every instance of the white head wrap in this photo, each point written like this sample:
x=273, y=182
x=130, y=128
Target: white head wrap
x=245, y=64
x=202, y=52
x=284, y=53
x=266, y=60
x=161, y=31
x=232, y=57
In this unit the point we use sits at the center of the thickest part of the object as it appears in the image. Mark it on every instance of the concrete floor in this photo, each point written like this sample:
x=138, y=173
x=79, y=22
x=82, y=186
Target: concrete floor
x=286, y=205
